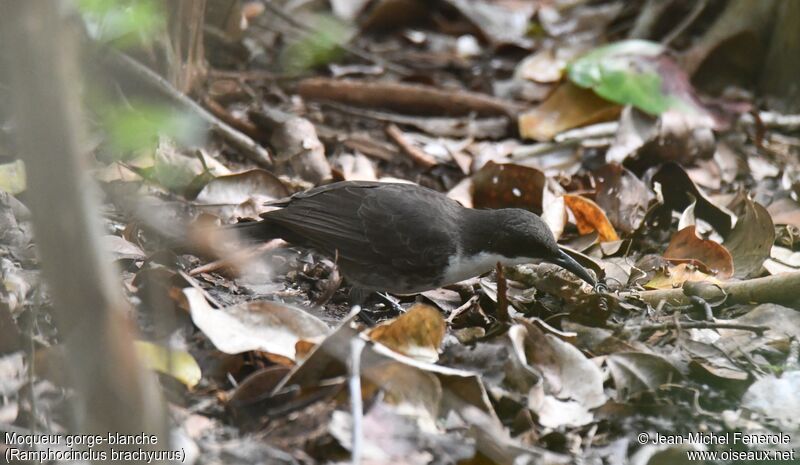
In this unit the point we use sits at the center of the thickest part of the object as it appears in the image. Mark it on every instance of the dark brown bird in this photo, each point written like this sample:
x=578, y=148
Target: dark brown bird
x=403, y=238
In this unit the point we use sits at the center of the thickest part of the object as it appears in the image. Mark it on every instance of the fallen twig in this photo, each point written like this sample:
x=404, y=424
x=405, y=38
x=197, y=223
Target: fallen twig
x=247, y=146
x=781, y=288
x=243, y=125
x=703, y=325
x=235, y=260
x=407, y=98
x=480, y=128
x=193, y=282
x=415, y=153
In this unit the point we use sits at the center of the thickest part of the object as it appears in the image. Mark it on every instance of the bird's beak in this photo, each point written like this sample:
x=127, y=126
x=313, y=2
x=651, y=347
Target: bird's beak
x=568, y=263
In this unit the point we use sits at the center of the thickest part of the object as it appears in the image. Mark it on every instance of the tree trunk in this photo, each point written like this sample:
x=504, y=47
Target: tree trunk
x=114, y=394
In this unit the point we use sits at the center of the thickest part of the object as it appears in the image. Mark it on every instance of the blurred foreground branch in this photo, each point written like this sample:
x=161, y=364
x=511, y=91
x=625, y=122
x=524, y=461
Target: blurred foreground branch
x=115, y=394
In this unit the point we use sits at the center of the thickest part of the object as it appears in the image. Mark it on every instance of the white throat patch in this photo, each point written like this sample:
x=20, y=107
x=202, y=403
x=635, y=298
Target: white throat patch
x=460, y=267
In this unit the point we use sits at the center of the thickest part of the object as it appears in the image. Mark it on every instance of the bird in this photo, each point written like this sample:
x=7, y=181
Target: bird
x=404, y=238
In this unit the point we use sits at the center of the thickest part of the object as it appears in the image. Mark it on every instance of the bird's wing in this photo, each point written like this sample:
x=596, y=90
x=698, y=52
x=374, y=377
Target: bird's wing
x=403, y=226
x=369, y=226
x=326, y=218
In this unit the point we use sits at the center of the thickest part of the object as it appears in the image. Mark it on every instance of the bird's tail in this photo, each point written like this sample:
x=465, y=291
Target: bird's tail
x=260, y=231
x=251, y=231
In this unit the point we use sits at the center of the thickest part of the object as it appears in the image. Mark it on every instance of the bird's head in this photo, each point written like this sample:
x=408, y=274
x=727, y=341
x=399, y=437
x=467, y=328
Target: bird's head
x=522, y=234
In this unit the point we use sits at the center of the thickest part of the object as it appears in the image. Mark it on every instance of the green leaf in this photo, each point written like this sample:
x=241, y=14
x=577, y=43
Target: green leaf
x=317, y=48
x=634, y=72
x=176, y=363
x=126, y=23
x=131, y=129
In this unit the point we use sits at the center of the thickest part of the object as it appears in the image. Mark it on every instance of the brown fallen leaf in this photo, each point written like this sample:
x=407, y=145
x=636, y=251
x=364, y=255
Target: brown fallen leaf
x=623, y=196
x=573, y=384
x=785, y=211
x=685, y=244
x=498, y=22
x=508, y=185
x=295, y=140
x=635, y=372
x=590, y=217
x=271, y=327
x=417, y=333
x=255, y=387
x=567, y=107
x=242, y=194
x=645, y=140
x=751, y=239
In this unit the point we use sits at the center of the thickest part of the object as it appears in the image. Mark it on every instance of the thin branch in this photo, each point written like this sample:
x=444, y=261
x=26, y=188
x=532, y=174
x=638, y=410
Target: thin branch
x=414, y=153
x=247, y=146
x=703, y=325
x=781, y=288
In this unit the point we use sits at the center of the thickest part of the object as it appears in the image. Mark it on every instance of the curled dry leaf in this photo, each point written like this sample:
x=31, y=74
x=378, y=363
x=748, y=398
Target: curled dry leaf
x=635, y=372
x=236, y=188
x=543, y=66
x=751, y=240
x=235, y=195
x=782, y=260
x=672, y=136
x=679, y=191
x=257, y=325
x=579, y=21
x=416, y=392
x=710, y=360
x=567, y=107
x=176, y=363
x=785, y=211
x=295, y=140
x=686, y=245
x=498, y=23
x=417, y=333
x=590, y=217
x=389, y=436
x=622, y=196
x=573, y=385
